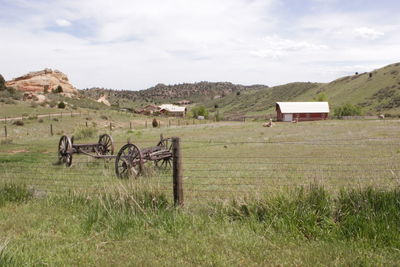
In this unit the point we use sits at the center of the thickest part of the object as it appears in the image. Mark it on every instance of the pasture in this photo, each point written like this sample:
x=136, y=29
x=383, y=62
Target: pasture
x=84, y=215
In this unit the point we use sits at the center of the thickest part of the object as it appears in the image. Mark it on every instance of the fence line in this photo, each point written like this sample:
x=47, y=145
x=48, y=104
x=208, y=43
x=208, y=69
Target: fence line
x=217, y=174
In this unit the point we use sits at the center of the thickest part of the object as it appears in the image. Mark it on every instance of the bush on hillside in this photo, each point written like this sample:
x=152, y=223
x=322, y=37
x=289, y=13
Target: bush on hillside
x=57, y=90
x=347, y=110
x=199, y=111
x=2, y=83
x=61, y=105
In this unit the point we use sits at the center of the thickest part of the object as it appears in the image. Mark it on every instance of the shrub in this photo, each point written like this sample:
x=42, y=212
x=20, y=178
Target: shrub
x=347, y=110
x=238, y=93
x=155, y=123
x=104, y=117
x=2, y=83
x=40, y=120
x=18, y=123
x=61, y=105
x=199, y=111
x=57, y=90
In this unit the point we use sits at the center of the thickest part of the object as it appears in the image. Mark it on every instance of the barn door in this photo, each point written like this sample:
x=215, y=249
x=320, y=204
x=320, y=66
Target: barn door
x=287, y=117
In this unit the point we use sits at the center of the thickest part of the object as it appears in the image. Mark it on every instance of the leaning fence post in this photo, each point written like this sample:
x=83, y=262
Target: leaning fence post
x=177, y=171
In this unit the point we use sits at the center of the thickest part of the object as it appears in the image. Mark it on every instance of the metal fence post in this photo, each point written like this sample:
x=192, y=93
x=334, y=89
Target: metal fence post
x=177, y=171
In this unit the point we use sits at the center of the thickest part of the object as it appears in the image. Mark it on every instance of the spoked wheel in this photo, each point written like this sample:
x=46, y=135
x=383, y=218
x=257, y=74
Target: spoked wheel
x=65, y=150
x=106, y=145
x=165, y=163
x=129, y=162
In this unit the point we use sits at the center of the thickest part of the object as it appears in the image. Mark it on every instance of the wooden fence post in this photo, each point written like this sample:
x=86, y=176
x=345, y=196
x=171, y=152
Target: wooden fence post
x=177, y=171
x=5, y=131
x=110, y=126
x=86, y=124
x=51, y=129
x=130, y=125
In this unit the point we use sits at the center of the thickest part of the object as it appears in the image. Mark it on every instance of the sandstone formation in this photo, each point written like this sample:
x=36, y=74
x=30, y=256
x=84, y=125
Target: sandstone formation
x=103, y=99
x=42, y=82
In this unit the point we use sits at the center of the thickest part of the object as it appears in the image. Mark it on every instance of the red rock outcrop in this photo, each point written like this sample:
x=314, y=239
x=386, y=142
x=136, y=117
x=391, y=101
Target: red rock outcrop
x=42, y=81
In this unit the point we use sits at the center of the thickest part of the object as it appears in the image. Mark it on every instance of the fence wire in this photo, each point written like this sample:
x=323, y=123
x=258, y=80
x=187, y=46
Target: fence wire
x=211, y=170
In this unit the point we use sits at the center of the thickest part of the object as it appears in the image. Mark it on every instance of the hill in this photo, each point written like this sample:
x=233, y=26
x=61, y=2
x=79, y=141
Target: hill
x=202, y=92
x=375, y=92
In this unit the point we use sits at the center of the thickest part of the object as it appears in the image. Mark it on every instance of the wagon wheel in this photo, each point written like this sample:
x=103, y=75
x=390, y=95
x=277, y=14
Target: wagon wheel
x=165, y=163
x=65, y=150
x=106, y=145
x=129, y=162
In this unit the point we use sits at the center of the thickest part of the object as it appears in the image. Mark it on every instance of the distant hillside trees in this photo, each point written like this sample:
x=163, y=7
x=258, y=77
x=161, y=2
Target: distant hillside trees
x=199, y=111
x=347, y=110
x=2, y=83
x=61, y=105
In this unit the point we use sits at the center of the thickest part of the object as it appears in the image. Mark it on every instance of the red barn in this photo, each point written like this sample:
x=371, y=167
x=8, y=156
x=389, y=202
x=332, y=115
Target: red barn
x=302, y=111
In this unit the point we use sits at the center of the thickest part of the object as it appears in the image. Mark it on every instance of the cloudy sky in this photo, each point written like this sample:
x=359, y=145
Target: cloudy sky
x=135, y=44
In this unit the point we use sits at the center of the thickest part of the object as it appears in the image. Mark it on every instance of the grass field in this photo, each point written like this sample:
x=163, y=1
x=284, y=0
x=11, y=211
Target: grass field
x=312, y=193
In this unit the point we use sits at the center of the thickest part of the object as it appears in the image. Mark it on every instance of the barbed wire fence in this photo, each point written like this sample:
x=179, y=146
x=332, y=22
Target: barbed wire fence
x=215, y=169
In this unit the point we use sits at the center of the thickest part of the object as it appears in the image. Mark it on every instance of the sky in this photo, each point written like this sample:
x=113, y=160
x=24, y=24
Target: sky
x=134, y=44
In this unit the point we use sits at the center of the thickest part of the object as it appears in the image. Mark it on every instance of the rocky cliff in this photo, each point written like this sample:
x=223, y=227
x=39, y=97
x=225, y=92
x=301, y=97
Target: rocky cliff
x=43, y=81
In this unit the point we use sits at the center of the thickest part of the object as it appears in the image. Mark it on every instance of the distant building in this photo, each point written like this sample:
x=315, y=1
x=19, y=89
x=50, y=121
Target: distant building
x=172, y=110
x=302, y=111
x=148, y=110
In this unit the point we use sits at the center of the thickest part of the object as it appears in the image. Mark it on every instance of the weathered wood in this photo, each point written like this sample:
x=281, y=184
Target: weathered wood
x=177, y=171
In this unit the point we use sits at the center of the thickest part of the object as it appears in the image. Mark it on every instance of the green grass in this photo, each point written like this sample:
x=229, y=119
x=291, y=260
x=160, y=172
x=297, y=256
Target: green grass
x=143, y=228
x=242, y=186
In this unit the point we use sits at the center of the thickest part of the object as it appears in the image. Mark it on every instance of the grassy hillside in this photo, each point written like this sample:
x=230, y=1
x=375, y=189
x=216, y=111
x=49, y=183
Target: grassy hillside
x=376, y=92
x=259, y=101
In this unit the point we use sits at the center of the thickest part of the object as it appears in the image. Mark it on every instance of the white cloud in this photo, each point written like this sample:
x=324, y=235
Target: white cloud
x=275, y=47
x=132, y=44
x=368, y=33
x=63, y=22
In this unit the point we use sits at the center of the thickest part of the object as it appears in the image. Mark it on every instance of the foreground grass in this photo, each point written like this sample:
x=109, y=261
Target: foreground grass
x=132, y=227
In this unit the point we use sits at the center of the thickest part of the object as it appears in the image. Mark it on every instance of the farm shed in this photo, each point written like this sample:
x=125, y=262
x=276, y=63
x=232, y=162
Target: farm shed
x=172, y=110
x=302, y=111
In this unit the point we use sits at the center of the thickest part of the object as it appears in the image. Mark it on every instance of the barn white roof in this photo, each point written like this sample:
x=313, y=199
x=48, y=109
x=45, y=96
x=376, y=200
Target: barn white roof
x=172, y=108
x=304, y=107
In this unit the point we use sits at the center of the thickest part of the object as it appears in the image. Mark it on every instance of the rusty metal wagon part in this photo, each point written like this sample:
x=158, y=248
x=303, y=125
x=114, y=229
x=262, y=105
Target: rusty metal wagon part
x=104, y=148
x=130, y=159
